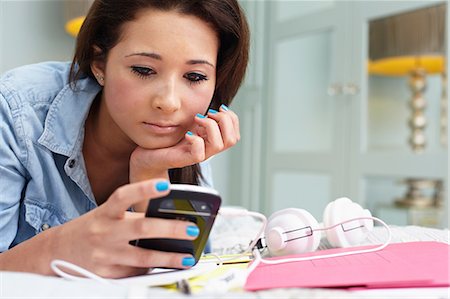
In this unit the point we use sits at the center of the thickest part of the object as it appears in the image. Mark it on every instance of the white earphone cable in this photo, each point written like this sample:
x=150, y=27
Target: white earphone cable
x=259, y=259
x=56, y=265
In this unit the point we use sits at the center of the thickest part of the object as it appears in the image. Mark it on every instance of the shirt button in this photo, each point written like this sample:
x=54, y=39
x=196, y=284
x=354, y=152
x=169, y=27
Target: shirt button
x=71, y=163
x=45, y=226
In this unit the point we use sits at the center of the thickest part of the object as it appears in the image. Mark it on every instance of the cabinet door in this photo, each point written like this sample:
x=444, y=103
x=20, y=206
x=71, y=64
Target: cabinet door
x=303, y=127
x=380, y=114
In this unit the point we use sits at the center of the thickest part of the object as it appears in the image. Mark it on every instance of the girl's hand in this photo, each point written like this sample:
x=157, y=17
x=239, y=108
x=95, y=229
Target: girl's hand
x=99, y=240
x=214, y=133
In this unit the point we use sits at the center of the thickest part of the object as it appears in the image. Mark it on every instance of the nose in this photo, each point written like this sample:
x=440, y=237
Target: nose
x=168, y=98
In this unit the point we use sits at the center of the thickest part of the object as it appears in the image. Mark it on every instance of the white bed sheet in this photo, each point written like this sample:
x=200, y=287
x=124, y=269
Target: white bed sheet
x=24, y=285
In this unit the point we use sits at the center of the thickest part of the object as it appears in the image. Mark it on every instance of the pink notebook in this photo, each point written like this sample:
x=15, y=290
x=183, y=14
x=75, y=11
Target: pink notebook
x=411, y=264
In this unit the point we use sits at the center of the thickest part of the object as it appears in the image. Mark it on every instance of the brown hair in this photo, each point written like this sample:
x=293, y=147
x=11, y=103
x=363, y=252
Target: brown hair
x=103, y=27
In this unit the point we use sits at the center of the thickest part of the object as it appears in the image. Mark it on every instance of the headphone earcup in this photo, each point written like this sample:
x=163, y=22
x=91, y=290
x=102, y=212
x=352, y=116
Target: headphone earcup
x=290, y=231
x=351, y=233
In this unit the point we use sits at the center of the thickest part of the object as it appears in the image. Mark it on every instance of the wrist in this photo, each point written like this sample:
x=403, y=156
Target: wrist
x=147, y=175
x=52, y=246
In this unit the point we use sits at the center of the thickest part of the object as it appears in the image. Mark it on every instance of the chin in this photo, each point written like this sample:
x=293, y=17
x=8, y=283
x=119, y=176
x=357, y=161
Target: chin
x=158, y=143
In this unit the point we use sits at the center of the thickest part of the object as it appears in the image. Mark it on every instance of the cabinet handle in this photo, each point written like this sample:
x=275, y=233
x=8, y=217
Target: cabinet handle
x=334, y=89
x=350, y=89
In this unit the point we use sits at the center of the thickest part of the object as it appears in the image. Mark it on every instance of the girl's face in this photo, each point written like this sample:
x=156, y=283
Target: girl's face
x=159, y=76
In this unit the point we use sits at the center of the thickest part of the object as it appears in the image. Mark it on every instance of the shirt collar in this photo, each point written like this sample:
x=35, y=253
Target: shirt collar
x=64, y=125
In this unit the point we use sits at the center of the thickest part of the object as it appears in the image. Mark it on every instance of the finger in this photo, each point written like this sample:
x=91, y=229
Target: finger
x=213, y=140
x=234, y=118
x=150, y=228
x=124, y=197
x=147, y=258
x=226, y=126
x=196, y=149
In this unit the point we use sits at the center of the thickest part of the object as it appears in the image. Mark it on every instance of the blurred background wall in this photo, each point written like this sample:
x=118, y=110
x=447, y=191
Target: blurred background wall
x=32, y=31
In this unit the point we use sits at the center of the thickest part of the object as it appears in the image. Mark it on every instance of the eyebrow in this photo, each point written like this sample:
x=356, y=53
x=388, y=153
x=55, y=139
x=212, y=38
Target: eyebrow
x=158, y=57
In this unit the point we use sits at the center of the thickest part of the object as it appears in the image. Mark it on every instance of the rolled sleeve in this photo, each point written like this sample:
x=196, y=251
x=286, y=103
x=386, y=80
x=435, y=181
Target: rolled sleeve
x=12, y=175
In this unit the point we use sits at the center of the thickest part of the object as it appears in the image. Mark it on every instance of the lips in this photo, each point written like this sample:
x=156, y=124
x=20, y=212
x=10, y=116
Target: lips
x=160, y=128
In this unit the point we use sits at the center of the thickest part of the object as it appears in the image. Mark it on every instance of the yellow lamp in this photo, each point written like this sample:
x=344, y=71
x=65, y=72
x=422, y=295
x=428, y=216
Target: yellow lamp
x=404, y=65
x=73, y=26
x=75, y=12
x=411, y=44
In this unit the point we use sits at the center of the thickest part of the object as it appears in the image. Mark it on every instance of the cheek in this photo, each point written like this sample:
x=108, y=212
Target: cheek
x=197, y=102
x=201, y=99
x=121, y=96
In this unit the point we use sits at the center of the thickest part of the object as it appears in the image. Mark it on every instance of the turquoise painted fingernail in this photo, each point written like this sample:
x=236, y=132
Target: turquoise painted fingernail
x=162, y=186
x=224, y=107
x=212, y=111
x=188, y=261
x=192, y=231
x=189, y=133
x=200, y=115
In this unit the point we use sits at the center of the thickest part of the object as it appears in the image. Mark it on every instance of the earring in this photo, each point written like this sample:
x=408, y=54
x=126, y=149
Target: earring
x=100, y=78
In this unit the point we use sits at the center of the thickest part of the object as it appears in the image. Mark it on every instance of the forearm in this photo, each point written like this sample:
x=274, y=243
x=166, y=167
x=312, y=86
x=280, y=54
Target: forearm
x=33, y=255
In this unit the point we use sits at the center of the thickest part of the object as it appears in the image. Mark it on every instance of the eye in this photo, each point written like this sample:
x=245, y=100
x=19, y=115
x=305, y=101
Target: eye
x=195, y=77
x=142, y=71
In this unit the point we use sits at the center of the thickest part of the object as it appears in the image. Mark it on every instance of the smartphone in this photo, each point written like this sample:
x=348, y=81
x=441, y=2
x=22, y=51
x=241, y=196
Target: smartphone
x=189, y=203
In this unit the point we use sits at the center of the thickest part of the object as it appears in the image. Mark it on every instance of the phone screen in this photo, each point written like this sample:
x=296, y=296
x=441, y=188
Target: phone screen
x=189, y=203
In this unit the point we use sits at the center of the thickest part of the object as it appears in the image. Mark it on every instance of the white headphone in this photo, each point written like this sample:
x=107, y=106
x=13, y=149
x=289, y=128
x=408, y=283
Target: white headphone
x=294, y=231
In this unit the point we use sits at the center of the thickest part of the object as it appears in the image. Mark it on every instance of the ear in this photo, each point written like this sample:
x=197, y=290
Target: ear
x=98, y=66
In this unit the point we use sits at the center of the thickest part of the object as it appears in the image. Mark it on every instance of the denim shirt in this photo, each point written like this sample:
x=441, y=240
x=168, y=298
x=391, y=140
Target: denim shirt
x=43, y=178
